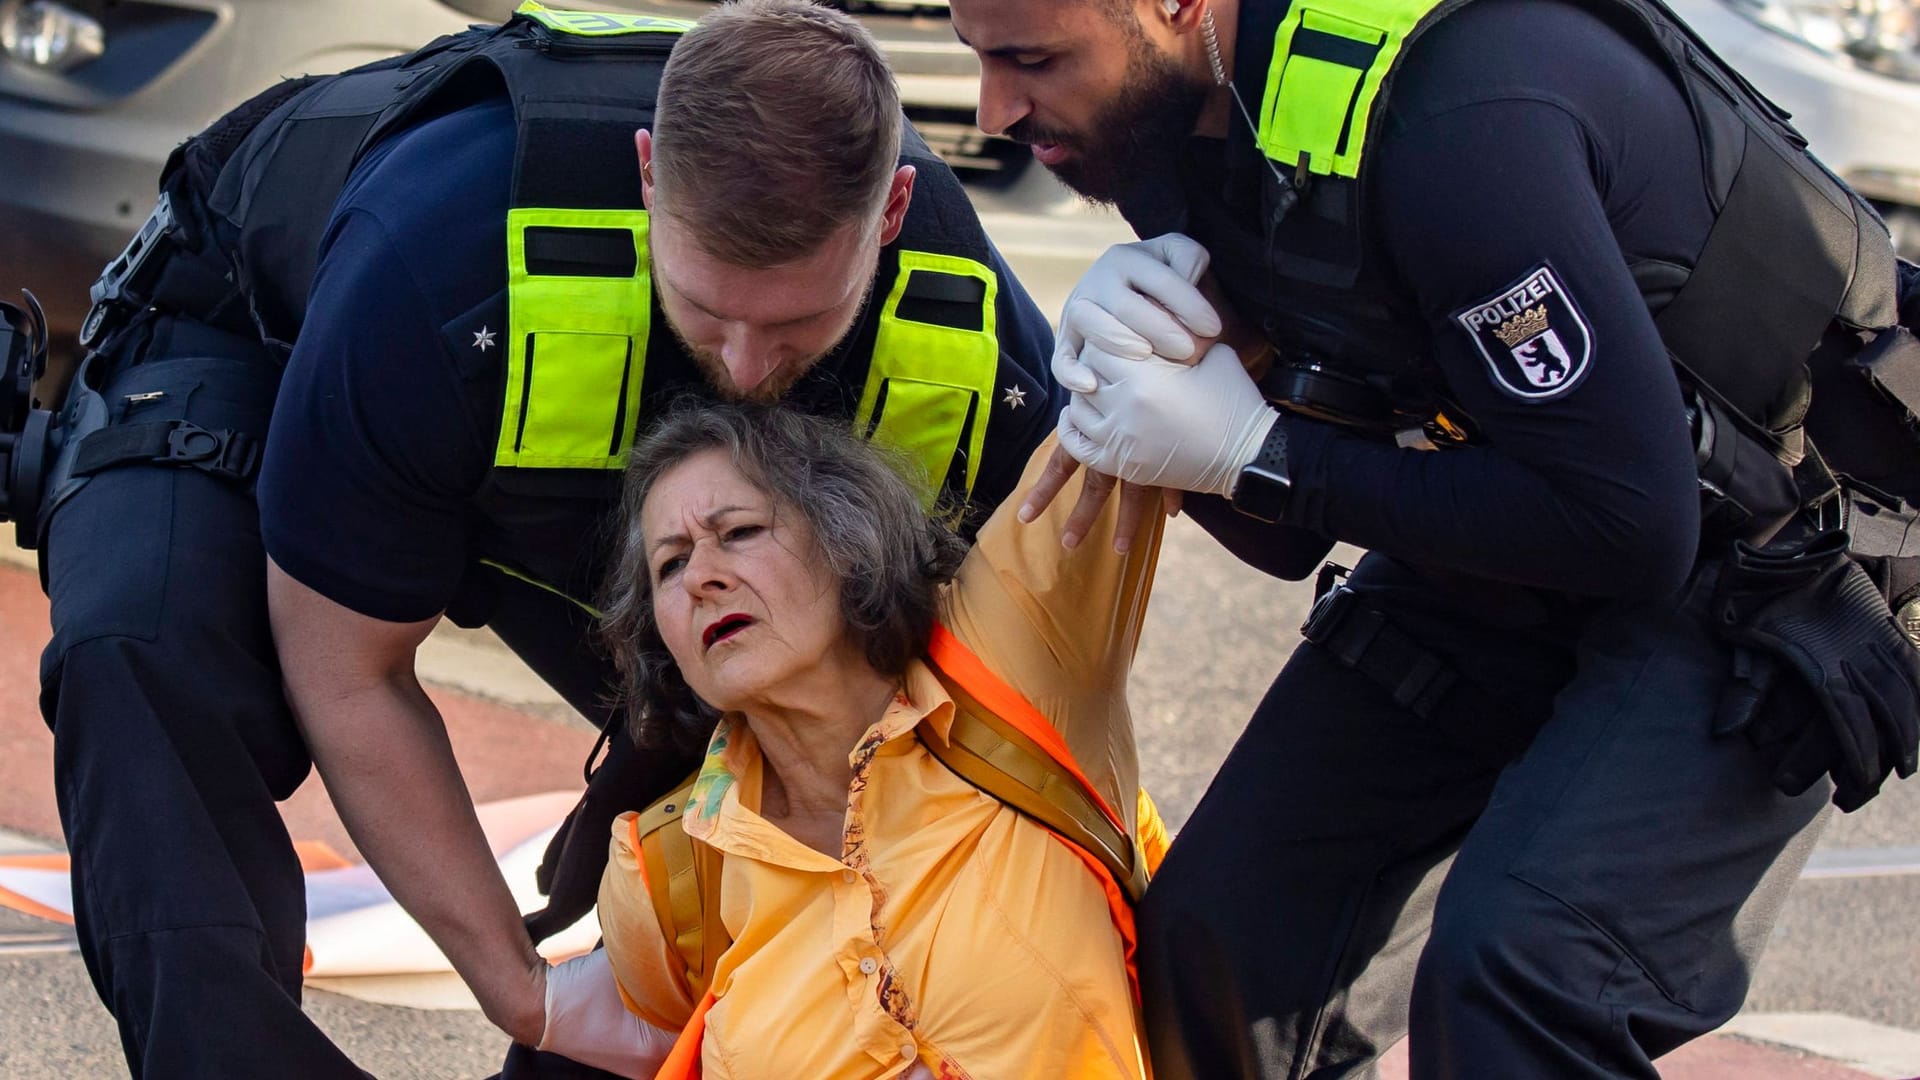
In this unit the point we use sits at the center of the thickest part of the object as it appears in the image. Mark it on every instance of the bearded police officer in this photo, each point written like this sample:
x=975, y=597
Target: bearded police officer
x=1564, y=325
x=457, y=287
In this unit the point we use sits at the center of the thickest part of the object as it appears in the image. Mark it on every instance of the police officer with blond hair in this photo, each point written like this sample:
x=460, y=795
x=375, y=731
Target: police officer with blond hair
x=457, y=283
x=1540, y=303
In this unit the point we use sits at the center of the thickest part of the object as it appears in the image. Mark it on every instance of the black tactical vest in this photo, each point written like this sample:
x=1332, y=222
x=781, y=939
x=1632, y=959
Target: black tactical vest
x=1805, y=261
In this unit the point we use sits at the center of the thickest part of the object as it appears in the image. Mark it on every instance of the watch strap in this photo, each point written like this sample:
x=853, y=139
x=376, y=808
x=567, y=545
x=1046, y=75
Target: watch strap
x=1265, y=485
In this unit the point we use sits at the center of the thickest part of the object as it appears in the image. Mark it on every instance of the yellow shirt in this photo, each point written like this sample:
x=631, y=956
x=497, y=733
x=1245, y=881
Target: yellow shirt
x=953, y=930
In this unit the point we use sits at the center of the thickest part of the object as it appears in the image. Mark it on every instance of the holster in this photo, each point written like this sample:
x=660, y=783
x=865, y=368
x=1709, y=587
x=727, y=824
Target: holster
x=1755, y=578
x=1885, y=535
x=1746, y=492
x=174, y=393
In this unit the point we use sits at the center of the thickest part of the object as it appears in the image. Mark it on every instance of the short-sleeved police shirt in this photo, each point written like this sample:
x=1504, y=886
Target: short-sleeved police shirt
x=377, y=489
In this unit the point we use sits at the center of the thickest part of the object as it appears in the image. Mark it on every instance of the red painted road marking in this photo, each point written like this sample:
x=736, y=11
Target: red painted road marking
x=503, y=752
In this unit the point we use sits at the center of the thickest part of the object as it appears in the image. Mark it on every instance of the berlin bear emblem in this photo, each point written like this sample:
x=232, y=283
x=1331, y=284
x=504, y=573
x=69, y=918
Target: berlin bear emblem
x=1532, y=336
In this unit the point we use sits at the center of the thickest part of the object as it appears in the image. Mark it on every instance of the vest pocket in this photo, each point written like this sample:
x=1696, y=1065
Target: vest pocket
x=927, y=422
x=579, y=305
x=573, y=399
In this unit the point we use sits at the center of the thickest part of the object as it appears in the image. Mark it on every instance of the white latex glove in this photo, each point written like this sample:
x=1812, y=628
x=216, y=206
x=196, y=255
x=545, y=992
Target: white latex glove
x=1164, y=424
x=1136, y=300
x=587, y=1021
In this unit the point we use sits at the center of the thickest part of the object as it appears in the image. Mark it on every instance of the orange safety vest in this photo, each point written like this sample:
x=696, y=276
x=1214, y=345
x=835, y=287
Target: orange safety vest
x=1000, y=743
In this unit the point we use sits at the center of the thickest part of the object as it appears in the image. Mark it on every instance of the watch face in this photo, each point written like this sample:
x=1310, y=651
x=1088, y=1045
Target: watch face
x=1261, y=494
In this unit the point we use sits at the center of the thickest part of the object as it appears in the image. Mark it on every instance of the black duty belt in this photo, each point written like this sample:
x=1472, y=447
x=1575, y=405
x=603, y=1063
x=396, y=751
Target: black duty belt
x=1362, y=638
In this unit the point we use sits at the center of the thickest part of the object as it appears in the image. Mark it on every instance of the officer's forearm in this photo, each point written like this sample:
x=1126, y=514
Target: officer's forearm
x=1279, y=550
x=384, y=755
x=1620, y=523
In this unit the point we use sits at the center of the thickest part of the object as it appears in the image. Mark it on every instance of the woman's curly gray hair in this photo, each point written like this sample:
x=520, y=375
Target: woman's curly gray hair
x=889, y=556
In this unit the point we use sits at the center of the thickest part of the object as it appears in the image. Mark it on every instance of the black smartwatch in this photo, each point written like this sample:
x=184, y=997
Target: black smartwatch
x=1264, y=487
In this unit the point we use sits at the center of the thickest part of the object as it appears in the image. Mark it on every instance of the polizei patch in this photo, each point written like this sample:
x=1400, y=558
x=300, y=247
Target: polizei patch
x=1533, y=337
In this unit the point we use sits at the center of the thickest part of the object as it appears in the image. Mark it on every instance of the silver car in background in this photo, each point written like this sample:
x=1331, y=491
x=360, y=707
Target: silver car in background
x=94, y=94
x=1849, y=72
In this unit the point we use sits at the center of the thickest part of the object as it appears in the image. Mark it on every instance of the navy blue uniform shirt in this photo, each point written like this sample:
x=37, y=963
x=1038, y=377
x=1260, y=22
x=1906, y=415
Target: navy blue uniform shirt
x=1520, y=136
x=376, y=492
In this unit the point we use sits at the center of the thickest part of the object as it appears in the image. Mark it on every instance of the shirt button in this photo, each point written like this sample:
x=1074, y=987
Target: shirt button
x=847, y=876
x=909, y=1051
x=867, y=965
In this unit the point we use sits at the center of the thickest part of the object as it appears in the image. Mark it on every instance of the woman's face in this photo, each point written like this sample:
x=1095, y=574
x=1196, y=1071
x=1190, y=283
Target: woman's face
x=740, y=594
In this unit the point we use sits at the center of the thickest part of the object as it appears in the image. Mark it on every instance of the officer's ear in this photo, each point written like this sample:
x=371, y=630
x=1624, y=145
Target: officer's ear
x=643, y=145
x=899, y=194
x=1182, y=16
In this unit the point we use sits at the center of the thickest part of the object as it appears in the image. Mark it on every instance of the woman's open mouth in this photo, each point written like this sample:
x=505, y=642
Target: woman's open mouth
x=723, y=628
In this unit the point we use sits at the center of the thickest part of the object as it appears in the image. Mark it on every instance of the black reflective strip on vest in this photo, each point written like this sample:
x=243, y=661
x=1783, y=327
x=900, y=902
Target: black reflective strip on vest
x=879, y=410
x=620, y=414
x=573, y=251
x=937, y=299
x=1334, y=49
x=956, y=479
x=526, y=395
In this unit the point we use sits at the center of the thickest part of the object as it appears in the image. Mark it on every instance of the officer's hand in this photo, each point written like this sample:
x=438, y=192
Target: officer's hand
x=1136, y=501
x=1137, y=300
x=1166, y=424
x=589, y=1023
x=1824, y=681
x=529, y=1012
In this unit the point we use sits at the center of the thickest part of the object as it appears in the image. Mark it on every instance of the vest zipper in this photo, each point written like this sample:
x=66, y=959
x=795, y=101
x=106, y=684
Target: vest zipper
x=566, y=48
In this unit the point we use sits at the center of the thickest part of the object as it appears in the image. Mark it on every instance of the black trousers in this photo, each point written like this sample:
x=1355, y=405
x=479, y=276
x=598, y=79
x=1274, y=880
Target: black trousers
x=1565, y=891
x=173, y=739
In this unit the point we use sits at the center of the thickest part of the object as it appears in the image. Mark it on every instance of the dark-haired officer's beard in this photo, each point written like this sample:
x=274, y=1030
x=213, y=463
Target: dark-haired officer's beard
x=1135, y=138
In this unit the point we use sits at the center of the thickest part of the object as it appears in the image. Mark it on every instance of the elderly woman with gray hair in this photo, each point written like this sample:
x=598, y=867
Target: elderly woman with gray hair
x=845, y=889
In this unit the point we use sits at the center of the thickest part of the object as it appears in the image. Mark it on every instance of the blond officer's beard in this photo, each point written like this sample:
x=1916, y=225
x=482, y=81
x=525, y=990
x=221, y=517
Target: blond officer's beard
x=713, y=370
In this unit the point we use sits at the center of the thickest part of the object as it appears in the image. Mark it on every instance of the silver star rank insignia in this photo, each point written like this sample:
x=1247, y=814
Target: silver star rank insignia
x=1014, y=397
x=483, y=339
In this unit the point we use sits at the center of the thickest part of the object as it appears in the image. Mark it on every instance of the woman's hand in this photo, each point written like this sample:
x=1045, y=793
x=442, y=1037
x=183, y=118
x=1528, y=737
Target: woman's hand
x=1136, y=501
